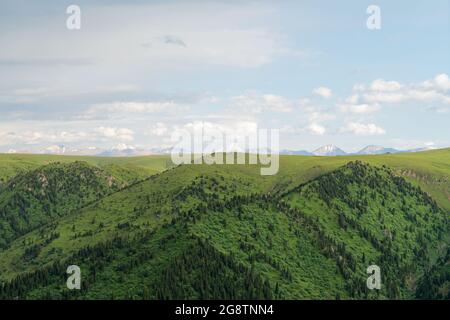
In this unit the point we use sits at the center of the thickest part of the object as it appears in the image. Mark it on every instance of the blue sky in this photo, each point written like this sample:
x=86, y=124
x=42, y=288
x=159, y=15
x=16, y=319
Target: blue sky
x=138, y=70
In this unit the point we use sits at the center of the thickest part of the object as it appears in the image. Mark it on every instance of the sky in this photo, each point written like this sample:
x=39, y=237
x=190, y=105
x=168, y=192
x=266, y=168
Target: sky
x=136, y=71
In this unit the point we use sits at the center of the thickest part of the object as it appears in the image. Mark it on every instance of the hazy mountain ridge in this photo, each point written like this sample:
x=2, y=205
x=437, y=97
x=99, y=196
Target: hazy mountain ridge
x=332, y=150
x=373, y=149
x=124, y=150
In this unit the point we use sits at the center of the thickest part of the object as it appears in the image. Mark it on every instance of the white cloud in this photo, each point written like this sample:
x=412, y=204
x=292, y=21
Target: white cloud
x=317, y=129
x=392, y=92
x=368, y=99
x=55, y=149
x=157, y=36
x=440, y=82
x=353, y=99
x=226, y=127
x=312, y=119
x=255, y=103
x=122, y=147
x=35, y=137
x=323, y=92
x=314, y=122
x=362, y=129
x=122, y=134
x=405, y=95
x=159, y=129
x=382, y=85
x=135, y=107
x=27, y=95
x=359, y=108
x=210, y=99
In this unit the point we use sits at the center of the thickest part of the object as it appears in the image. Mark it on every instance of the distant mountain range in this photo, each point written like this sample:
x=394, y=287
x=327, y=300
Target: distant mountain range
x=332, y=150
x=123, y=150
x=377, y=150
x=296, y=153
x=326, y=150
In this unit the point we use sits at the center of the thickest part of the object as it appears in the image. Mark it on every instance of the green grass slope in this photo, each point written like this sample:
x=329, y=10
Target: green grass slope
x=12, y=164
x=39, y=196
x=430, y=170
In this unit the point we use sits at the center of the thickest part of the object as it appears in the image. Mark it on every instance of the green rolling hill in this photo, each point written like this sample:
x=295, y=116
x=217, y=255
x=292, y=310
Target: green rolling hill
x=37, y=197
x=224, y=231
x=12, y=164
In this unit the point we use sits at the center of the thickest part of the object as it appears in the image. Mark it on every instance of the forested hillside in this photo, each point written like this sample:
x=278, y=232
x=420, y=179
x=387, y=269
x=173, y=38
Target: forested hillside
x=202, y=232
x=39, y=196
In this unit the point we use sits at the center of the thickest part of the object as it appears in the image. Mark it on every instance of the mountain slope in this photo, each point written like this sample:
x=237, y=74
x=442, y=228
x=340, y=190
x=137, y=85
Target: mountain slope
x=39, y=196
x=314, y=240
x=435, y=284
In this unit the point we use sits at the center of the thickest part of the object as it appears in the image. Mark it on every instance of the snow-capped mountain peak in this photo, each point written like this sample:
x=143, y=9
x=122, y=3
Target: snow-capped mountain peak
x=329, y=150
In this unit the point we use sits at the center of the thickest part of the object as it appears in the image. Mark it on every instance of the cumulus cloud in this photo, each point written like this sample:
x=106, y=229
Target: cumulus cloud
x=122, y=134
x=159, y=129
x=362, y=129
x=359, y=108
x=226, y=127
x=315, y=128
x=382, y=85
x=122, y=147
x=393, y=92
x=313, y=121
x=57, y=137
x=323, y=92
x=410, y=94
x=55, y=149
x=440, y=82
x=255, y=103
x=133, y=107
x=35, y=137
x=367, y=99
